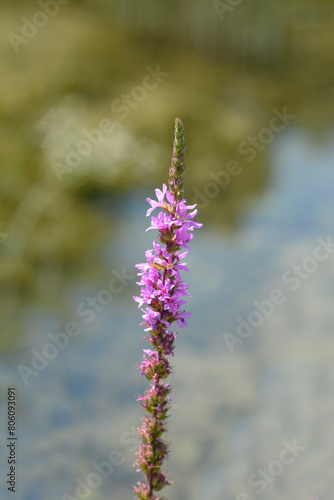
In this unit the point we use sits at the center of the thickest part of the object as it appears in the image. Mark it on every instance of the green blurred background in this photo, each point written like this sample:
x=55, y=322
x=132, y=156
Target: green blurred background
x=65, y=226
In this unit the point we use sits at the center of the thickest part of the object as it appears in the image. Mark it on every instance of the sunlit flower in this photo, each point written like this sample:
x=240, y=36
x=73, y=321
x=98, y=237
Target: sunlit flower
x=162, y=290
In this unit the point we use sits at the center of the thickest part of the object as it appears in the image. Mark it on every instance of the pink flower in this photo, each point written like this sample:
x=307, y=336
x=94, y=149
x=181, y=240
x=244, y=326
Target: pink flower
x=162, y=292
x=160, y=196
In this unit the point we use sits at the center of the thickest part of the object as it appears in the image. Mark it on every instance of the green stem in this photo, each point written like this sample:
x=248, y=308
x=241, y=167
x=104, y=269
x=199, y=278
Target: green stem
x=178, y=165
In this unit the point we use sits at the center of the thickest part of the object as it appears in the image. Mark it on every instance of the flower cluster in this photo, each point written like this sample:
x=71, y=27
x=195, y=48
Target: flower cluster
x=161, y=302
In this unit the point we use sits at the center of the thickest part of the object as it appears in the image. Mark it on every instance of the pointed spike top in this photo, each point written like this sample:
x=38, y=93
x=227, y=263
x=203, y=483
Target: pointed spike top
x=179, y=129
x=177, y=166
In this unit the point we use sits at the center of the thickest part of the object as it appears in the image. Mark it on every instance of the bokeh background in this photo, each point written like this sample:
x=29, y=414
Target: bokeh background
x=71, y=223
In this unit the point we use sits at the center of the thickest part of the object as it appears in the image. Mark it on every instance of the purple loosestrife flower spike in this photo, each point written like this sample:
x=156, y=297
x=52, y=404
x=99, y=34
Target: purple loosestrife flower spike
x=161, y=302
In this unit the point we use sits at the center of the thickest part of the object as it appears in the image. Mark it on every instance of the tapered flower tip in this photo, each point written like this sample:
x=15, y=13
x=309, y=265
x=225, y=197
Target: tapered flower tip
x=179, y=129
